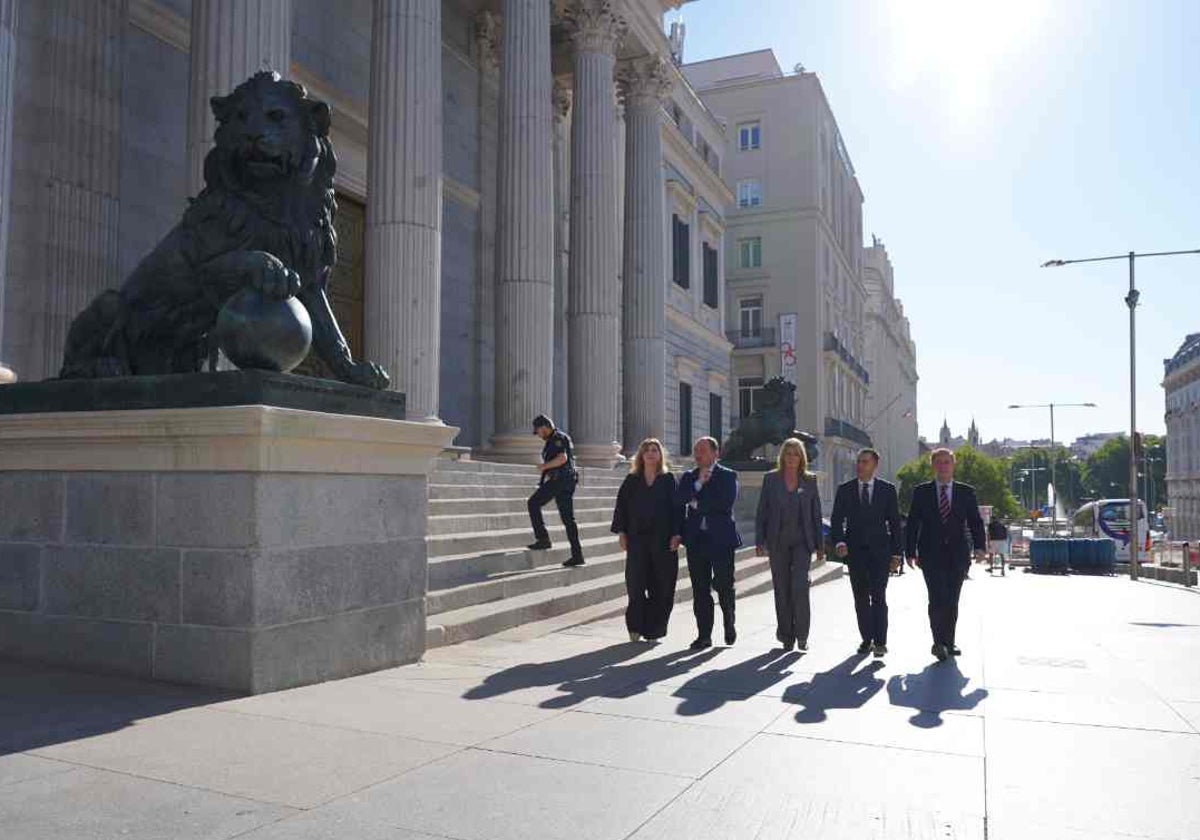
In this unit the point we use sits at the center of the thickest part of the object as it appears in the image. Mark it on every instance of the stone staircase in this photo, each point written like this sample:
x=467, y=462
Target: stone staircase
x=482, y=579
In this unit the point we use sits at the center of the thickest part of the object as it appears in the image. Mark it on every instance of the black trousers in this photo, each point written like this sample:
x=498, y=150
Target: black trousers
x=944, y=582
x=562, y=491
x=710, y=568
x=651, y=572
x=868, y=582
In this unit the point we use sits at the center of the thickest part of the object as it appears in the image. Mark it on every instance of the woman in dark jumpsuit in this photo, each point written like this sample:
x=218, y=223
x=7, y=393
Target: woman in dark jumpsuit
x=648, y=522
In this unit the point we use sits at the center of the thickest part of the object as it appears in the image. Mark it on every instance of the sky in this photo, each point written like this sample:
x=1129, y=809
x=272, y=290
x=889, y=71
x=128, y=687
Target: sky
x=989, y=137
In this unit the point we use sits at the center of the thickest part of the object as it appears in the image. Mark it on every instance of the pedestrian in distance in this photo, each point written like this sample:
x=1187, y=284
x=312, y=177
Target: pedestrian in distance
x=559, y=475
x=787, y=528
x=997, y=533
x=867, y=536
x=942, y=514
x=648, y=523
x=707, y=494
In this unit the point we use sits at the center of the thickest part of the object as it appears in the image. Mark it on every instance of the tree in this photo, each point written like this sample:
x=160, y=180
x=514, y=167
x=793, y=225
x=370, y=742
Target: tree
x=1107, y=473
x=988, y=475
x=1067, y=470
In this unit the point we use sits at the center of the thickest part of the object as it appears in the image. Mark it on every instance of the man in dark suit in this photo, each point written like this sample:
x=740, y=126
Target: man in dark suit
x=865, y=528
x=707, y=493
x=942, y=514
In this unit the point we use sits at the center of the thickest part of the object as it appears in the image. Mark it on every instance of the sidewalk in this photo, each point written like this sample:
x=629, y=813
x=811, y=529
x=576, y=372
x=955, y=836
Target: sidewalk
x=1074, y=714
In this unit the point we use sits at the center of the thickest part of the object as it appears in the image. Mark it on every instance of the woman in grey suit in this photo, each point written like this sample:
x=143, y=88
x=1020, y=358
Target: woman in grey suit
x=788, y=529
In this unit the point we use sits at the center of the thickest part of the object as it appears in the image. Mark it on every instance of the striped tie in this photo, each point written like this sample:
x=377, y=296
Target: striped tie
x=944, y=504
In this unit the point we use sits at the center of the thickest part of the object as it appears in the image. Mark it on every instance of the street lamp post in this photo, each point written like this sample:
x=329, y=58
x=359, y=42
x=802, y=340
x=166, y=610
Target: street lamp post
x=1053, y=456
x=1131, y=301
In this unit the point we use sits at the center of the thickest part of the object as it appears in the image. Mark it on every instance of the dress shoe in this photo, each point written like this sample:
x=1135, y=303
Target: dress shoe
x=802, y=645
x=572, y=561
x=954, y=651
x=540, y=545
x=880, y=651
x=864, y=648
x=939, y=651
x=786, y=644
x=730, y=636
x=700, y=644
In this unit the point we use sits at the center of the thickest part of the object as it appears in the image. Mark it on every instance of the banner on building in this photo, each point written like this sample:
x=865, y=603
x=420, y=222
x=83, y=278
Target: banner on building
x=787, y=346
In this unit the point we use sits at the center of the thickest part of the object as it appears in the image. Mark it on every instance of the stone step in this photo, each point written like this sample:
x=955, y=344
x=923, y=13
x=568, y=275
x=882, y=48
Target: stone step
x=471, y=567
x=479, y=521
x=526, y=480
x=481, y=620
x=440, y=545
x=463, y=507
x=510, y=491
x=503, y=585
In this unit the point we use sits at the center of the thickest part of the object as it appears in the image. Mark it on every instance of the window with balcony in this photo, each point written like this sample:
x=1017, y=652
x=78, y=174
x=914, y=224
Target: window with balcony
x=749, y=192
x=712, y=286
x=750, y=252
x=681, y=253
x=750, y=312
x=749, y=136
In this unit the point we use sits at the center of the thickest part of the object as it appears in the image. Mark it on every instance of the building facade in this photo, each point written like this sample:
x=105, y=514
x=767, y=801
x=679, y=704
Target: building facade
x=1182, y=385
x=514, y=182
x=794, y=251
x=891, y=360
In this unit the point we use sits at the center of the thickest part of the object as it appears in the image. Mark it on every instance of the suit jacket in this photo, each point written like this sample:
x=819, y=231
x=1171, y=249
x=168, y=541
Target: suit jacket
x=713, y=513
x=947, y=543
x=871, y=532
x=772, y=504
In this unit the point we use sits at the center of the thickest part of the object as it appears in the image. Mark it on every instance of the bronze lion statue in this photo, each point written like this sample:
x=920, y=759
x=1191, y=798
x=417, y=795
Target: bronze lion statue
x=264, y=220
x=773, y=421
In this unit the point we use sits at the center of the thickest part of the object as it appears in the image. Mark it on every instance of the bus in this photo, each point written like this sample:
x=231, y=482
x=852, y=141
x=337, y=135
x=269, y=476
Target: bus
x=1110, y=518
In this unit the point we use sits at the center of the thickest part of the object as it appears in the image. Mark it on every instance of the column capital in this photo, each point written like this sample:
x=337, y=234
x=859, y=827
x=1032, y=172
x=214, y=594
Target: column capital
x=562, y=99
x=594, y=25
x=645, y=81
x=488, y=37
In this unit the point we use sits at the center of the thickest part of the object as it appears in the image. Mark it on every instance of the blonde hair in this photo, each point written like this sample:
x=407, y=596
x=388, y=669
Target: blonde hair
x=797, y=445
x=639, y=461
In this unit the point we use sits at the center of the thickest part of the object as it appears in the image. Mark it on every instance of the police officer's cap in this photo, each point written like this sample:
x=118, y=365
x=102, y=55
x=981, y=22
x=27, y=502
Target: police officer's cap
x=542, y=421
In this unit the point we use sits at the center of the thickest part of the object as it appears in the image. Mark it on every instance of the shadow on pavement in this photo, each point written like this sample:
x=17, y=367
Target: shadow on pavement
x=711, y=690
x=844, y=686
x=937, y=689
x=591, y=674
x=1162, y=625
x=41, y=706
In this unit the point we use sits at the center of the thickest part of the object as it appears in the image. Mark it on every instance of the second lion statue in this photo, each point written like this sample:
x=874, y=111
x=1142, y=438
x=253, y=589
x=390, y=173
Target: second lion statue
x=264, y=220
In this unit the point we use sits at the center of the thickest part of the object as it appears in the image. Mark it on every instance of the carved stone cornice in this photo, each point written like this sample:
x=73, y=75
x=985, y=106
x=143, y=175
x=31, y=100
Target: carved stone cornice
x=488, y=36
x=645, y=81
x=562, y=100
x=594, y=25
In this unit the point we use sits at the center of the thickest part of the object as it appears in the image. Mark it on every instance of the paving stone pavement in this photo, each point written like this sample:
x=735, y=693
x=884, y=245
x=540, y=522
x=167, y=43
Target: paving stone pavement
x=1074, y=714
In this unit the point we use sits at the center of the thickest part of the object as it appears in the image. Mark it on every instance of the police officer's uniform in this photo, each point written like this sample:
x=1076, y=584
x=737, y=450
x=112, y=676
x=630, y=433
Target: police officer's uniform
x=557, y=484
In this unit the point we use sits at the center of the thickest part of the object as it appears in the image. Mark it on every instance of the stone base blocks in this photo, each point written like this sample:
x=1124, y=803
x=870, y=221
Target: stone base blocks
x=249, y=548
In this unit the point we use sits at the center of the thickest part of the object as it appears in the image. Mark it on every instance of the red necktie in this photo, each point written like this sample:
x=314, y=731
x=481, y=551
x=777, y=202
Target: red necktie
x=944, y=504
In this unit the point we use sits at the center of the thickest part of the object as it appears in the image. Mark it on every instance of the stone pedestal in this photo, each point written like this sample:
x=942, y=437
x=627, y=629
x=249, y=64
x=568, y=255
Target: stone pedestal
x=251, y=547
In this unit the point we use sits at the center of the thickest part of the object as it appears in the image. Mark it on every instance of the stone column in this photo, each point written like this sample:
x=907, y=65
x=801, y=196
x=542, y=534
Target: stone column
x=8, y=70
x=404, y=200
x=83, y=177
x=645, y=84
x=525, y=270
x=231, y=40
x=488, y=28
x=562, y=244
x=593, y=306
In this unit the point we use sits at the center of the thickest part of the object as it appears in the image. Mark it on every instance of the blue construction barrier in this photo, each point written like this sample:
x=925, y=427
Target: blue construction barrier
x=1055, y=555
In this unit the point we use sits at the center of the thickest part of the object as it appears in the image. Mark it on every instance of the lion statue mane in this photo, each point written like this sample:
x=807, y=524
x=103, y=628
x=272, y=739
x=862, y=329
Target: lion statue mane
x=264, y=220
x=773, y=421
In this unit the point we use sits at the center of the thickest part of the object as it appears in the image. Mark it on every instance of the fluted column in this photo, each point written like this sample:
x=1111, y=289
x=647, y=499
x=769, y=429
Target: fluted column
x=403, y=304
x=231, y=40
x=84, y=150
x=593, y=305
x=645, y=83
x=8, y=69
x=562, y=244
x=488, y=29
x=525, y=264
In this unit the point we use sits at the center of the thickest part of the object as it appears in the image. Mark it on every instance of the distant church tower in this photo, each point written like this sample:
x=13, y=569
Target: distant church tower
x=973, y=435
x=944, y=434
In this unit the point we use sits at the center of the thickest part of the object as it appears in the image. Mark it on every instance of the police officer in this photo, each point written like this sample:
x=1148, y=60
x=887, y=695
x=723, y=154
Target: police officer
x=558, y=480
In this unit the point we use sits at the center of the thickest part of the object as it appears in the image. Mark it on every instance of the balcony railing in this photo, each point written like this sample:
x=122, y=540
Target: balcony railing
x=833, y=344
x=764, y=337
x=846, y=431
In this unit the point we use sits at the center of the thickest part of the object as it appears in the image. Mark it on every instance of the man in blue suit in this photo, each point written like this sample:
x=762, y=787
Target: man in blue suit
x=942, y=514
x=708, y=493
